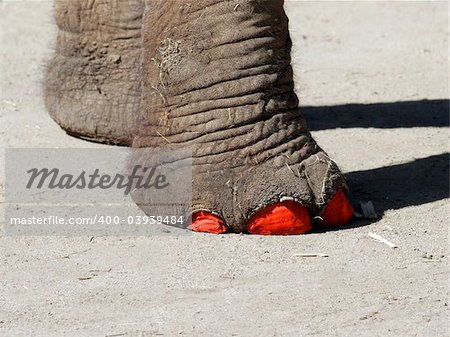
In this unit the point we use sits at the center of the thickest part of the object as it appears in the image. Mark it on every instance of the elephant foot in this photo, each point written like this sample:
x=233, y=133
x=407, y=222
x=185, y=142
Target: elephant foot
x=217, y=79
x=283, y=218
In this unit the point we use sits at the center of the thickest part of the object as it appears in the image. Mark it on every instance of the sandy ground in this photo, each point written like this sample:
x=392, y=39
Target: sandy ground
x=385, y=57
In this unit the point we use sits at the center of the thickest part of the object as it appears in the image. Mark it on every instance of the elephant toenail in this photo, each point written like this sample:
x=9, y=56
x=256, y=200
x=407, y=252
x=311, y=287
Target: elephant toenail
x=282, y=218
x=207, y=223
x=338, y=212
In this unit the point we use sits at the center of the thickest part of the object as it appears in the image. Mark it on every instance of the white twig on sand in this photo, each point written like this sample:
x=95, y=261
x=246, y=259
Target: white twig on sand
x=383, y=240
x=431, y=260
x=10, y=103
x=311, y=255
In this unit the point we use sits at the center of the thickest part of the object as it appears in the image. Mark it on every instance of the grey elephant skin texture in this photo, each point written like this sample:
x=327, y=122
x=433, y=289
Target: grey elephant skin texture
x=214, y=76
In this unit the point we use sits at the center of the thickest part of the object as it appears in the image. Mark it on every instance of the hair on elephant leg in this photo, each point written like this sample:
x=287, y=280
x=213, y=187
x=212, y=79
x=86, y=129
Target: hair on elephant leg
x=217, y=79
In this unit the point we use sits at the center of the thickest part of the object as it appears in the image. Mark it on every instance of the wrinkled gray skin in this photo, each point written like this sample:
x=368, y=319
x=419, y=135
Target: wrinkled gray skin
x=212, y=75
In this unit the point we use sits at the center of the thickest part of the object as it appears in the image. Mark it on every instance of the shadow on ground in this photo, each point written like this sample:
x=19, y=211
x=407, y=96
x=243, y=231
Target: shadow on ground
x=414, y=183
x=425, y=113
x=393, y=187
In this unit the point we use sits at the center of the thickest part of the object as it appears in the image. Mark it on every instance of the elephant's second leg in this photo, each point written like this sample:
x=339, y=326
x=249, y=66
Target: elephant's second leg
x=217, y=78
x=92, y=87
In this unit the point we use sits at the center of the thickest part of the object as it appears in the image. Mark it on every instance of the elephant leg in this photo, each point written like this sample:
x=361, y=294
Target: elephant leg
x=93, y=80
x=217, y=78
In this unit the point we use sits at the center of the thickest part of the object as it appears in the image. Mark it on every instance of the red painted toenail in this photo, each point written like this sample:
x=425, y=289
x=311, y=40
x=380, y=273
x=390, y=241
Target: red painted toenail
x=208, y=223
x=338, y=212
x=283, y=218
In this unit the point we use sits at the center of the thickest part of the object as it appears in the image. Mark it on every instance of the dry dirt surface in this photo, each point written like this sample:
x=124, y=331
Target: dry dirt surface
x=373, y=80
